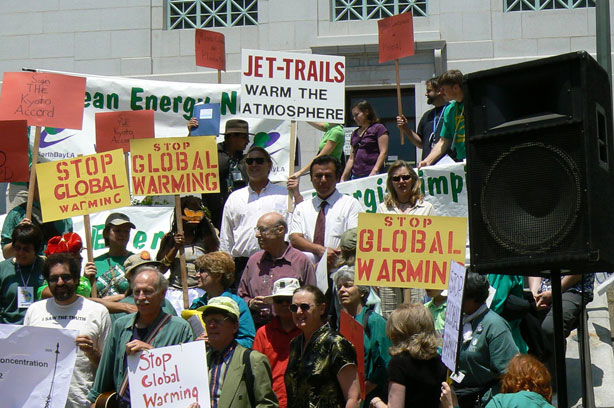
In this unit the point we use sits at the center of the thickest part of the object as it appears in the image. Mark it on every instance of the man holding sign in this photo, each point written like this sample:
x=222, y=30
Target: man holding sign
x=149, y=328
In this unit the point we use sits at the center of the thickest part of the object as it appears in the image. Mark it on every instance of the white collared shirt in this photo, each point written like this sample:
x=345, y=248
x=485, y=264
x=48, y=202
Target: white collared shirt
x=341, y=215
x=241, y=213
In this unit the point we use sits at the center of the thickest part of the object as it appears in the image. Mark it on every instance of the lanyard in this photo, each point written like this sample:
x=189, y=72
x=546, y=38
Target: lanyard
x=437, y=119
x=18, y=270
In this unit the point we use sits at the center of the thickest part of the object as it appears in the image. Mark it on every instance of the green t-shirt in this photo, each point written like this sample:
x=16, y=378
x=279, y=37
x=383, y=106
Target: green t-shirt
x=506, y=285
x=377, y=356
x=10, y=280
x=439, y=314
x=334, y=133
x=454, y=127
x=119, y=284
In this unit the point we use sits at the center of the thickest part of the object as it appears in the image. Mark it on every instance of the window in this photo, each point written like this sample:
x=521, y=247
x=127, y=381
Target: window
x=346, y=10
x=536, y=5
x=211, y=13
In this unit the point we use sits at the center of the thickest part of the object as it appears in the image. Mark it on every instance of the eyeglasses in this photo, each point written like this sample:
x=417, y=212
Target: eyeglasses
x=144, y=292
x=257, y=160
x=215, y=321
x=56, y=278
x=403, y=177
x=283, y=299
x=263, y=230
x=304, y=307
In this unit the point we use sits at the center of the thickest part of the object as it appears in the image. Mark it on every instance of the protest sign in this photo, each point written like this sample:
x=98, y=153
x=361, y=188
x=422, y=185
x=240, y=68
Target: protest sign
x=408, y=251
x=36, y=365
x=210, y=49
x=173, y=103
x=173, y=376
x=43, y=99
x=355, y=334
x=14, y=160
x=178, y=165
x=452, y=329
x=114, y=130
x=396, y=37
x=292, y=86
x=442, y=185
x=83, y=185
x=208, y=115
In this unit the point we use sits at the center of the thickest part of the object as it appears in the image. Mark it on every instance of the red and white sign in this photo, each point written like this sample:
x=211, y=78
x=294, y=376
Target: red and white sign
x=396, y=37
x=292, y=86
x=43, y=99
x=114, y=130
x=14, y=160
x=210, y=49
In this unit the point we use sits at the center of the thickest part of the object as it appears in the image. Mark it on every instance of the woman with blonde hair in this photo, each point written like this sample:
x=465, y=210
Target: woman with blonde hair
x=415, y=370
x=404, y=197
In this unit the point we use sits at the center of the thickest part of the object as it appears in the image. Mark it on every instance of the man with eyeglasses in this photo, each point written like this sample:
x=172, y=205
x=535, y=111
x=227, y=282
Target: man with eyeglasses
x=245, y=206
x=276, y=260
x=238, y=377
x=20, y=276
x=147, y=329
x=232, y=171
x=67, y=310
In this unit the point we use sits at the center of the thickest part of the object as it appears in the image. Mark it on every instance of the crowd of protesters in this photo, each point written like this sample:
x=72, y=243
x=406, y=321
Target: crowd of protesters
x=272, y=334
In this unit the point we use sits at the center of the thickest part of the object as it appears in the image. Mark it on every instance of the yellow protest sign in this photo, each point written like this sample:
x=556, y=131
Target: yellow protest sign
x=83, y=185
x=174, y=165
x=408, y=251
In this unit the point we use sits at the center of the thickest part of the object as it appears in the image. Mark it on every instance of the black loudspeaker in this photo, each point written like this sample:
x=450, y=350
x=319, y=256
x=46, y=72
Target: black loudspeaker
x=540, y=167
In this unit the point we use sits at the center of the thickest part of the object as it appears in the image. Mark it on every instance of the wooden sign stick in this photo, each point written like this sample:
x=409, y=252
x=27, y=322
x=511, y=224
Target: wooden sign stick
x=32, y=184
x=293, y=129
x=399, y=102
x=219, y=76
x=182, y=263
x=90, y=250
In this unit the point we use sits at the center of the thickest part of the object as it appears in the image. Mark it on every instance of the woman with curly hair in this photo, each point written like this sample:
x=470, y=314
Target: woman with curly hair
x=527, y=384
x=415, y=370
x=404, y=197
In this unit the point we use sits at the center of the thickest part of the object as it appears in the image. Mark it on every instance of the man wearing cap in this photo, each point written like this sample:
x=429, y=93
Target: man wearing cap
x=236, y=379
x=245, y=206
x=276, y=260
x=149, y=328
x=67, y=310
x=110, y=279
x=233, y=175
x=20, y=277
x=273, y=339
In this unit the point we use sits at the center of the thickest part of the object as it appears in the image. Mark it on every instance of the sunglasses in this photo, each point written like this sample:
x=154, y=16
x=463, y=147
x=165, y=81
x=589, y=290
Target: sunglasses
x=56, y=278
x=282, y=299
x=257, y=160
x=216, y=322
x=303, y=306
x=403, y=177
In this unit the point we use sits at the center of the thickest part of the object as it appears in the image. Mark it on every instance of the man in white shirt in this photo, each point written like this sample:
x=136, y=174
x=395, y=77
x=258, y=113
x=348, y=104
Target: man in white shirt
x=245, y=206
x=67, y=310
x=330, y=209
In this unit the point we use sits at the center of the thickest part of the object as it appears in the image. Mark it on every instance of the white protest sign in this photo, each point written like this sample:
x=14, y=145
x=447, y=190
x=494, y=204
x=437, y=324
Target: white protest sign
x=173, y=103
x=173, y=376
x=36, y=365
x=442, y=185
x=292, y=86
x=452, y=328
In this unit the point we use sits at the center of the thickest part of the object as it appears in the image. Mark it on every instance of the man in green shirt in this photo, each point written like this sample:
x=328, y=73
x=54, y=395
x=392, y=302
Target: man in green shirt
x=20, y=276
x=149, y=328
x=453, y=129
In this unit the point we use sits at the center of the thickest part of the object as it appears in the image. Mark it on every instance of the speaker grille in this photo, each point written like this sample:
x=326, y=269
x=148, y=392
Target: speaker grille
x=531, y=198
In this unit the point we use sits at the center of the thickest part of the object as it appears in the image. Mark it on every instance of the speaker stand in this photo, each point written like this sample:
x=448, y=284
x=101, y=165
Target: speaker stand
x=559, y=339
x=586, y=369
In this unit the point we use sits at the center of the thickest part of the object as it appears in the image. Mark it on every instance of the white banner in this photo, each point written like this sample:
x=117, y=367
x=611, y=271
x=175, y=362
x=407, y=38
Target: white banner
x=292, y=86
x=452, y=328
x=36, y=365
x=443, y=186
x=173, y=103
x=174, y=376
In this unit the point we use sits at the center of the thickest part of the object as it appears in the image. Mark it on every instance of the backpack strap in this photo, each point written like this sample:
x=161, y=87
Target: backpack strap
x=248, y=377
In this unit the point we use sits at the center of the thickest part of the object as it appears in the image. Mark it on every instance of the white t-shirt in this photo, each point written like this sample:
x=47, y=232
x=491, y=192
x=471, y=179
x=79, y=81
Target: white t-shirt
x=241, y=213
x=87, y=317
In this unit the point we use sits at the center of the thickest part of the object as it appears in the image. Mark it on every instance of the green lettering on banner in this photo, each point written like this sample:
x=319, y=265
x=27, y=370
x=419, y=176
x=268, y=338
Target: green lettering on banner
x=456, y=183
x=156, y=238
x=135, y=99
x=97, y=237
x=139, y=239
x=438, y=185
x=88, y=98
x=229, y=103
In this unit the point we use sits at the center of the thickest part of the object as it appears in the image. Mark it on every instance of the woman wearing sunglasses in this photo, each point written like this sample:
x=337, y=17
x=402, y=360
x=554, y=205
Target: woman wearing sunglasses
x=403, y=197
x=322, y=366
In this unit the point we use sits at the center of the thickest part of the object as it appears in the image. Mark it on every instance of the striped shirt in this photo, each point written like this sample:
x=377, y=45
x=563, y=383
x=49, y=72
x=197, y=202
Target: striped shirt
x=218, y=367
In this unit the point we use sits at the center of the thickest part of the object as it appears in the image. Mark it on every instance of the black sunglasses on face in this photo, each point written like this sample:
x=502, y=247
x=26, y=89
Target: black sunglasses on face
x=56, y=278
x=257, y=160
x=304, y=307
x=403, y=177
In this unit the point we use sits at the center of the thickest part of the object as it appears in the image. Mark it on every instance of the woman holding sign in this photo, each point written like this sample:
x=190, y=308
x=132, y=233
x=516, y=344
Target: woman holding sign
x=404, y=197
x=369, y=144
